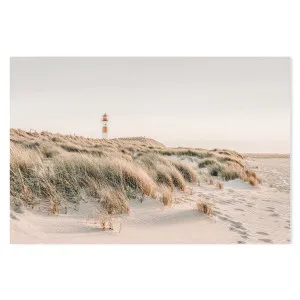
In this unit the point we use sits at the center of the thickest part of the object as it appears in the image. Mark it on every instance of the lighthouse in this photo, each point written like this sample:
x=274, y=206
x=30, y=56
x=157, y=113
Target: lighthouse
x=104, y=126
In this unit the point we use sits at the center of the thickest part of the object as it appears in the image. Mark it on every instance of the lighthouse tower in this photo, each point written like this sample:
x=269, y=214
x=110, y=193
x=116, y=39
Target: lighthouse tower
x=104, y=126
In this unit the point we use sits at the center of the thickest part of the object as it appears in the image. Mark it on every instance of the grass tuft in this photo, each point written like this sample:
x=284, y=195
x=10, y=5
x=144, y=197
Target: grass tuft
x=206, y=162
x=187, y=172
x=166, y=194
x=205, y=207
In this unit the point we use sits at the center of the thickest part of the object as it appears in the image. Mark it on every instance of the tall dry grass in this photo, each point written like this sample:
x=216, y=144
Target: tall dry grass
x=228, y=168
x=166, y=195
x=205, y=207
x=54, y=169
x=60, y=179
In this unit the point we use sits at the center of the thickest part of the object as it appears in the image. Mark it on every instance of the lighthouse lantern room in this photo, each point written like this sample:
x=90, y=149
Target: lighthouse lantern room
x=105, y=126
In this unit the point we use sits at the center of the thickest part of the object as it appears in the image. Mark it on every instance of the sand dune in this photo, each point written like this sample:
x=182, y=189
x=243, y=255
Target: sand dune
x=70, y=189
x=148, y=222
x=242, y=214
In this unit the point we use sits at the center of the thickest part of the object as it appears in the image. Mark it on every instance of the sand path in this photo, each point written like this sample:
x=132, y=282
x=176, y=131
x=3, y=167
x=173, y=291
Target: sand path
x=258, y=214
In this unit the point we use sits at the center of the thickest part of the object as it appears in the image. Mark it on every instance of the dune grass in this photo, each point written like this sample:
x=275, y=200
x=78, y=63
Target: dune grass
x=170, y=173
x=233, y=171
x=187, y=172
x=34, y=178
x=206, y=162
x=54, y=169
x=186, y=152
x=205, y=207
x=228, y=168
x=166, y=195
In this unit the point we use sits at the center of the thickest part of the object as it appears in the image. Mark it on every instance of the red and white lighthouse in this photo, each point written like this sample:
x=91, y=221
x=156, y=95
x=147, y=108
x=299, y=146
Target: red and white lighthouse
x=104, y=126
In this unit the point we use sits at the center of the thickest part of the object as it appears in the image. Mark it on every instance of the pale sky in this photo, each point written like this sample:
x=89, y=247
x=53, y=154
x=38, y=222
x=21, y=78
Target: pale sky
x=237, y=103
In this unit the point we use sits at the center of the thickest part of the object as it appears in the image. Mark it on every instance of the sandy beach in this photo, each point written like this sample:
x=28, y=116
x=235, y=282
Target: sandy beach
x=242, y=214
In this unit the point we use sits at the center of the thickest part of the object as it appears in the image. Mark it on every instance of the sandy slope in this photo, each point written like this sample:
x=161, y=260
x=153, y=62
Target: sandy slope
x=148, y=222
x=243, y=214
x=258, y=214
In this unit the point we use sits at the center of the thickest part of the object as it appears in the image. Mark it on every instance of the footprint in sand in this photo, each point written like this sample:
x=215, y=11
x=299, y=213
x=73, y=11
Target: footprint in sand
x=270, y=209
x=245, y=236
x=262, y=233
x=243, y=233
x=274, y=215
x=226, y=202
x=266, y=241
x=224, y=218
x=236, y=224
x=240, y=231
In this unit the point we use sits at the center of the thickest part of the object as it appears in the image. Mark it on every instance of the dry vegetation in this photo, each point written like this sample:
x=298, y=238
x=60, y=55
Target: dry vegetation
x=205, y=207
x=54, y=169
x=166, y=194
x=229, y=168
x=225, y=164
